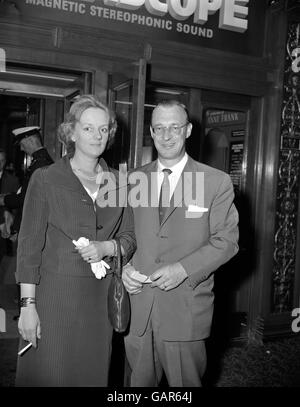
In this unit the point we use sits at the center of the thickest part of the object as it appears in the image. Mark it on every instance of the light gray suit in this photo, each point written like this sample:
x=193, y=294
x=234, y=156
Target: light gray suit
x=201, y=242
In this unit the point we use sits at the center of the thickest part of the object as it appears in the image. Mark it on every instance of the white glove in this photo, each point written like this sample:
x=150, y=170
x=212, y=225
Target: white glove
x=99, y=268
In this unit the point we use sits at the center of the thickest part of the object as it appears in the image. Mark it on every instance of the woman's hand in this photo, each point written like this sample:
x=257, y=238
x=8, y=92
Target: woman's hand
x=94, y=252
x=29, y=324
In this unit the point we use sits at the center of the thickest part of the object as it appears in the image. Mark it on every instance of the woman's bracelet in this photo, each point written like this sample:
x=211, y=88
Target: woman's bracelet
x=115, y=248
x=26, y=301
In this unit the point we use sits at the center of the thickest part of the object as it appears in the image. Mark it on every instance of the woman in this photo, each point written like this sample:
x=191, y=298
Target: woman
x=63, y=304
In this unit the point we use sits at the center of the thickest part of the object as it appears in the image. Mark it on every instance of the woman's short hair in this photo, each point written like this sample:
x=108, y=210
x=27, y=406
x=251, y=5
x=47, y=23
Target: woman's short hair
x=82, y=103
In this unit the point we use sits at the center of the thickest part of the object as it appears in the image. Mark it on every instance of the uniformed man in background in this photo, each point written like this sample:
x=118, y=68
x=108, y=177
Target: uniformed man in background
x=29, y=140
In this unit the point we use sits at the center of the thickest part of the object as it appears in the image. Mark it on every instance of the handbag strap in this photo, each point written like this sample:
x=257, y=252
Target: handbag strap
x=118, y=269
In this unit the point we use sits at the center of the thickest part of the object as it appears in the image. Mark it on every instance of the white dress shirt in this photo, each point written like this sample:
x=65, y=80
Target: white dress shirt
x=174, y=177
x=93, y=195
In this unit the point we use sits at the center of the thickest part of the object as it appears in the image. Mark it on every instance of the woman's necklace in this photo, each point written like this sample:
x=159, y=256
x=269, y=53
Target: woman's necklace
x=83, y=174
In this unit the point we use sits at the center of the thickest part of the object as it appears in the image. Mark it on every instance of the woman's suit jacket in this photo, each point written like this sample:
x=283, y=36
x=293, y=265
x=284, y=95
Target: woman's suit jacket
x=200, y=241
x=75, y=346
x=63, y=211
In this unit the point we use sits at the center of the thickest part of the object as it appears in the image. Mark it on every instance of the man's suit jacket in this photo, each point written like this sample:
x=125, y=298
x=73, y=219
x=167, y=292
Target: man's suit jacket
x=200, y=241
x=40, y=158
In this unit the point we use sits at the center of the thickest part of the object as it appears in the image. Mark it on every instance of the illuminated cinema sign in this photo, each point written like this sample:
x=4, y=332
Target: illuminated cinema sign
x=234, y=25
x=233, y=13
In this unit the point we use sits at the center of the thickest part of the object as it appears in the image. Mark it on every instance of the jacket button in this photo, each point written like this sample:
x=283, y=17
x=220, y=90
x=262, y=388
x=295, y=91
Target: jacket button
x=157, y=261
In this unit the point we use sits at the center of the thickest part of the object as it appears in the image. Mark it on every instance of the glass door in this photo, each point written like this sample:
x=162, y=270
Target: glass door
x=127, y=99
x=38, y=97
x=224, y=145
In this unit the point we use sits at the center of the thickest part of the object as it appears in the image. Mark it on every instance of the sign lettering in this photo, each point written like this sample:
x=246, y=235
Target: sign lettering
x=2, y=60
x=232, y=13
x=2, y=320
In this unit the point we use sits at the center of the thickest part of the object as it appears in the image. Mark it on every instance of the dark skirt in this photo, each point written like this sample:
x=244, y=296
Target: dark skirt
x=75, y=346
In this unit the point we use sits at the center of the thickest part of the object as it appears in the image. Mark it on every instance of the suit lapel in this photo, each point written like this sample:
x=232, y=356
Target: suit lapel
x=152, y=198
x=184, y=185
x=182, y=191
x=110, y=188
x=66, y=179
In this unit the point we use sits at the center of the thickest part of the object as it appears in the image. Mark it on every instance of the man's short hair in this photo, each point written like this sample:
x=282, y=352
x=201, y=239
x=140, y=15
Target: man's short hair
x=172, y=103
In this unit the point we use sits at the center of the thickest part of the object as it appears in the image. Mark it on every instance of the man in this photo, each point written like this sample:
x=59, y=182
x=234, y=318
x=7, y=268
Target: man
x=171, y=317
x=29, y=139
x=8, y=184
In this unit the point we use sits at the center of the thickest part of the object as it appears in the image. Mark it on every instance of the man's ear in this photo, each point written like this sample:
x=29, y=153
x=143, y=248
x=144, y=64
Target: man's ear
x=151, y=132
x=189, y=130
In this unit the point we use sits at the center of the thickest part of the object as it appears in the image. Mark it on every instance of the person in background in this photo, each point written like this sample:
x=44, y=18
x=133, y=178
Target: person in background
x=63, y=305
x=9, y=183
x=29, y=139
x=181, y=242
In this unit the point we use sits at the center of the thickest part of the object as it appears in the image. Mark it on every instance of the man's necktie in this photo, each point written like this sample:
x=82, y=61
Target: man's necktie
x=164, y=198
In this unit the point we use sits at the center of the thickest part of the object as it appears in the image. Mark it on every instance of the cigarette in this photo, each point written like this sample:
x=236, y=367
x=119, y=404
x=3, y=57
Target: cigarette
x=24, y=349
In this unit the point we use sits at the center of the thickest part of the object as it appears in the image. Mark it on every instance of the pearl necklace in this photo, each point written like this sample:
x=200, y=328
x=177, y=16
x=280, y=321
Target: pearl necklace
x=84, y=175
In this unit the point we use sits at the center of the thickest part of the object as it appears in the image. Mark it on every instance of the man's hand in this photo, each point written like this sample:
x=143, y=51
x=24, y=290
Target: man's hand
x=132, y=286
x=9, y=220
x=5, y=228
x=168, y=277
x=2, y=196
x=3, y=231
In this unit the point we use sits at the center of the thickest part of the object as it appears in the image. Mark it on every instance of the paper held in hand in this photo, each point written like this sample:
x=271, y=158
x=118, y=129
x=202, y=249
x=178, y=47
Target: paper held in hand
x=142, y=278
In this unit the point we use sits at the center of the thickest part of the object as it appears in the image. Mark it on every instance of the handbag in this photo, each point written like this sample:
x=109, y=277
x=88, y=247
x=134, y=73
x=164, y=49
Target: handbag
x=118, y=303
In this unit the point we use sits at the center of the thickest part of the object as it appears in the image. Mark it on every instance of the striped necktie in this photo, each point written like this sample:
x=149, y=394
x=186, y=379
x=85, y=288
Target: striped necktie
x=164, y=198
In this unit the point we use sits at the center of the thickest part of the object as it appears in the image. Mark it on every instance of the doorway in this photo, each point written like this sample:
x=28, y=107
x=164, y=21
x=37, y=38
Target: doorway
x=220, y=138
x=34, y=96
x=224, y=145
x=31, y=96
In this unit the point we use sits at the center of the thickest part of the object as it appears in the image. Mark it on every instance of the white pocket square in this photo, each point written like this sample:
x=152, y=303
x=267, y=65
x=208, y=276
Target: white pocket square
x=195, y=211
x=195, y=208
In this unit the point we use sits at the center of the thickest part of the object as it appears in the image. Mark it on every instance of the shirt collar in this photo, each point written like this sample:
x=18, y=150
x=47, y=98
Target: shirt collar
x=177, y=168
x=38, y=153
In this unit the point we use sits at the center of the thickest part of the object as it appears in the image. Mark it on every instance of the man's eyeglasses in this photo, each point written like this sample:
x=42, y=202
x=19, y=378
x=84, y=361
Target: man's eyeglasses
x=173, y=129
